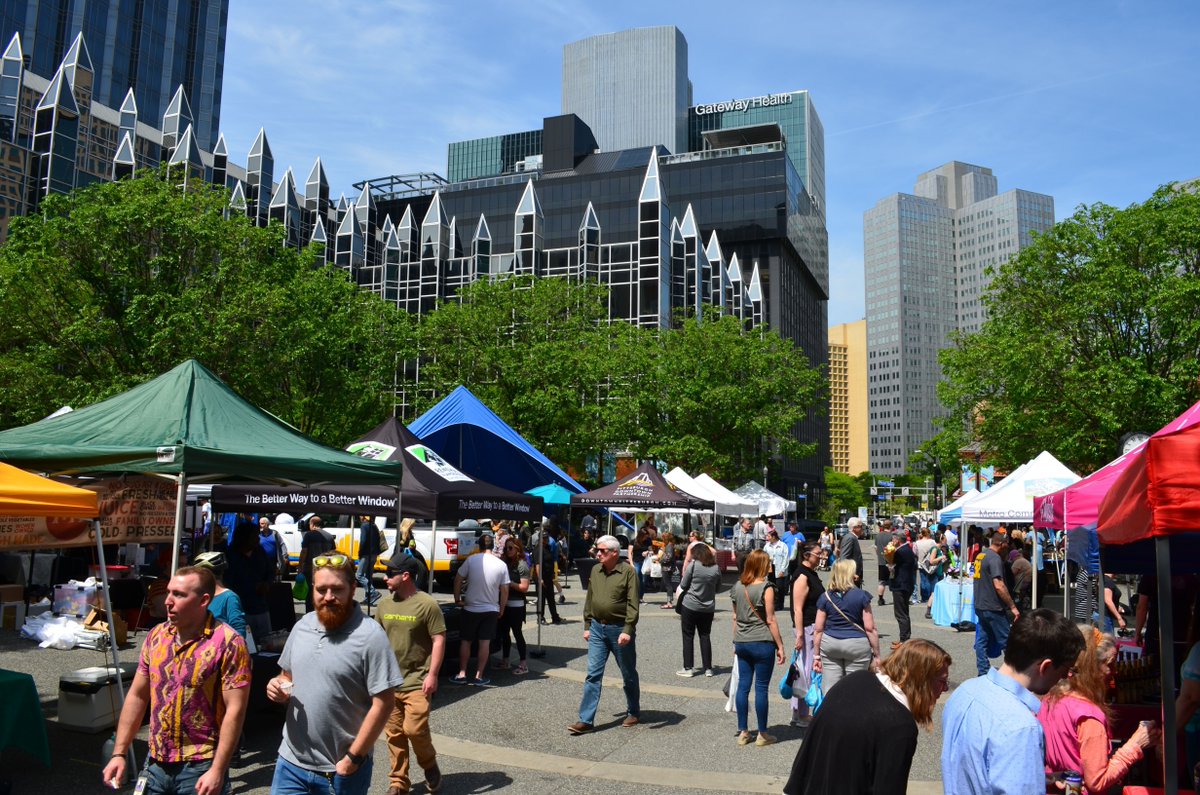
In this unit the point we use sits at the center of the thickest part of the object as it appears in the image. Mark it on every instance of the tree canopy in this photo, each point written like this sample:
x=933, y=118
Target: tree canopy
x=543, y=355
x=115, y=283
x=1093, y=332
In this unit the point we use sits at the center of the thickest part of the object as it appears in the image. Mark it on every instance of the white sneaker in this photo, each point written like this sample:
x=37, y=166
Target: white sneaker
x=709, y=672
x=686, y=672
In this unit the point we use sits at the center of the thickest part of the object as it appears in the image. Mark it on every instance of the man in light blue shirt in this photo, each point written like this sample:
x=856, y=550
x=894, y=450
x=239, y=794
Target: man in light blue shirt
x=992, y=741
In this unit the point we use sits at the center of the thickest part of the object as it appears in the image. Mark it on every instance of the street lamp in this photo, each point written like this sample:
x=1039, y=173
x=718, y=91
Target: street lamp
x=937, y=476
x=764, y=474
x=805, y=500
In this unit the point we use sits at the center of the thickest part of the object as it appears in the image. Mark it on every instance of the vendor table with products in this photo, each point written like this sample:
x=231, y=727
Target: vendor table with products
x=22, y=724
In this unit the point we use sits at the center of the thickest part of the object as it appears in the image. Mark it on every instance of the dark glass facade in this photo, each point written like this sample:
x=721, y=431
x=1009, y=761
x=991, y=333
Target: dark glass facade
x=488, y=157
x=154, y=46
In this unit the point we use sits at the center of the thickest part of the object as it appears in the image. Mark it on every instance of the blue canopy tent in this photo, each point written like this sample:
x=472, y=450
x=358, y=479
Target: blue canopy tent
x=471, y=437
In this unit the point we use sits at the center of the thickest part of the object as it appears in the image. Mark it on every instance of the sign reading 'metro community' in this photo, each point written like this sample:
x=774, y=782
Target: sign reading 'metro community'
x=743, y=105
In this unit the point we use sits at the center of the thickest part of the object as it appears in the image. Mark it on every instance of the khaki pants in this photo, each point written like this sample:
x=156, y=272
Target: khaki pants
x=409, y=723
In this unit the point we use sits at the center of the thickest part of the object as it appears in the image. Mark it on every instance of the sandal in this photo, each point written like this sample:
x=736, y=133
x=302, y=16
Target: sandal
x=502, y=665
x=521, y=669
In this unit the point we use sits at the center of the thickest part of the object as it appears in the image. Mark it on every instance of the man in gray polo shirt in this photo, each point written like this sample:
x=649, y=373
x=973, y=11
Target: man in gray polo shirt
x=337, y=675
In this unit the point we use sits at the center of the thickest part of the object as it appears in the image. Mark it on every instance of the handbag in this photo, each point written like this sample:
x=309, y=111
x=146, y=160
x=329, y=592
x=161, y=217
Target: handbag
x=793, y=673
x=300, y=588
x=815, y=694
x=656, y=569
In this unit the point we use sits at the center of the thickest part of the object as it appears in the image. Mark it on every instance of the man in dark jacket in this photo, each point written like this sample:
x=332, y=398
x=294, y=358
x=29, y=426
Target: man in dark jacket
x=904, y=576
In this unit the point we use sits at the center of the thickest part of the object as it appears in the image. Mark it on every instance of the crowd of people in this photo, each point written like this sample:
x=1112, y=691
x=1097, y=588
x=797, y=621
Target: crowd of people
x=346, y=678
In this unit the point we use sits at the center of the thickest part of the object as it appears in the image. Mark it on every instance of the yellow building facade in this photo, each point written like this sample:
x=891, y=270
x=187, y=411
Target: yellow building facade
x=848, y=397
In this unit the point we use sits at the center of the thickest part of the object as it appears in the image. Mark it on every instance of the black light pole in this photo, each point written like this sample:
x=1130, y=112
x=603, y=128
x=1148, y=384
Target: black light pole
x=806, y=501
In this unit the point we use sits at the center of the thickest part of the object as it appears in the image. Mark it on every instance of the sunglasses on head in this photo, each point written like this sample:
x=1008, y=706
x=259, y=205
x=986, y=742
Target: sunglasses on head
x=336, y=561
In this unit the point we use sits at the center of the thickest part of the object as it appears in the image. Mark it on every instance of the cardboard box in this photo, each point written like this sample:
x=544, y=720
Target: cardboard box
x=95, y=621
x=12, y=593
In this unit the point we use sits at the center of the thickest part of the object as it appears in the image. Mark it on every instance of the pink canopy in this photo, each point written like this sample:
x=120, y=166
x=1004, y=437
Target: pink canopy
x=1078, y=505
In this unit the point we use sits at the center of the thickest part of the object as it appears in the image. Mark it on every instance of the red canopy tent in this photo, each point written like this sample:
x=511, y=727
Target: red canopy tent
x=1158, y=496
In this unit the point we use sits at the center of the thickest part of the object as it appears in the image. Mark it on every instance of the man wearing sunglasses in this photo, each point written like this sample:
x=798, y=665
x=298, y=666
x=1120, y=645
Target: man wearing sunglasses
x=337, y=676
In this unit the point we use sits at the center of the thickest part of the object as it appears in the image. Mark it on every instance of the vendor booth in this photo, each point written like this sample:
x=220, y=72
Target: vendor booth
x=1156, y=499
x=953, y=512
x=769, y=503
x=24, y=500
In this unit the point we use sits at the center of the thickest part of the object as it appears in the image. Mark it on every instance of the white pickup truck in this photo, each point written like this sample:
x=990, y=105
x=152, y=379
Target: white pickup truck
x=452, y=546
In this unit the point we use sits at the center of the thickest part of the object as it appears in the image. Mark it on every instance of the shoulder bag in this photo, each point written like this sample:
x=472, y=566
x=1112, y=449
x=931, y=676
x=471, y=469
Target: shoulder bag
x=849, y=620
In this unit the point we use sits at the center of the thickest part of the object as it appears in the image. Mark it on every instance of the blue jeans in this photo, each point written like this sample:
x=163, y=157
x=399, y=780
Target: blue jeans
x=991, y=636
x=927, y=583
x=601, y=642
x=294, y=780
x=366, y=567
x=177, y=778
x=755, y=662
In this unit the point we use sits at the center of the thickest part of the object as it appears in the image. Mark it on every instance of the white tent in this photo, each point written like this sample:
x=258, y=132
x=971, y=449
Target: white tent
x=953, y=511
x=1012, y=499
x=685, y=482
x=766, y=502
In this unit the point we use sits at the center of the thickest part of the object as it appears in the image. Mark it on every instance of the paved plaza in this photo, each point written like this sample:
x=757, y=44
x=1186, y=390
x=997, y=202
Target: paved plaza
x=513, y=735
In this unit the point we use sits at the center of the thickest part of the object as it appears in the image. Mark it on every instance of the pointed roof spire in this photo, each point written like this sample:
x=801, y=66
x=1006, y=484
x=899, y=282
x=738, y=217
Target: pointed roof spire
x=481, y=230
x=179, y=105
x=391, y=239
x=129, y=104
x=78, y=55
x=734, y=270
x=436, y=214
x=676, y=235
x=387, y=227
x=529, y=204
x=687, y=226
x=187, y=151
x=124, y=154
x=407, y=221
x=342, y=204
x=260, y=147
x=221, y=150
x=590, y=221
x=713, y=249
x=13, y=51
x=365, y=198
x=651, y=189
x=285, y=192
x=237, y=199
x=316, y=184
x=754, y=291
x=349, y=226
x=318, y=234
x=58, y=94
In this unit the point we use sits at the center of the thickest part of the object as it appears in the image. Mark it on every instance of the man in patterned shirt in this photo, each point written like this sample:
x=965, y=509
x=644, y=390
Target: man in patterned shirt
x=194, y=673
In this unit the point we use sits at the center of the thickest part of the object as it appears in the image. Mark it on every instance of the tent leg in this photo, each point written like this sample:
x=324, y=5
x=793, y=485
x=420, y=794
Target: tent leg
x=1033, y=581
x=432, y=550
x=1166, y=657
x=112, y=635
x=180, y=509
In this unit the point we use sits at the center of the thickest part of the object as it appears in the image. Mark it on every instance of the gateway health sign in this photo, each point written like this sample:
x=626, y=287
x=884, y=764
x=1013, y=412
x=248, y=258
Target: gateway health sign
x=132, y=510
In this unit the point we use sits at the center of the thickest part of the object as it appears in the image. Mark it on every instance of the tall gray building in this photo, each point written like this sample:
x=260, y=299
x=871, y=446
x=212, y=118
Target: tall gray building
x=926, y=257
x=631, y=88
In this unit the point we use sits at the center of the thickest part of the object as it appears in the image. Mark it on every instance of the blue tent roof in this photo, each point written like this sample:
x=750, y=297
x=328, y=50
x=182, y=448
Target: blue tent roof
x=470, y=436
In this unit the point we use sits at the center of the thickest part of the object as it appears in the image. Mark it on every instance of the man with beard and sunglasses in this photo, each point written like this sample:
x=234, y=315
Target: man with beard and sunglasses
x=337, y=676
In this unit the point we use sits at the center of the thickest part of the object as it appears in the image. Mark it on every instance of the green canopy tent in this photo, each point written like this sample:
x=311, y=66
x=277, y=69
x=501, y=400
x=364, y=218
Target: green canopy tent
x=189, y=426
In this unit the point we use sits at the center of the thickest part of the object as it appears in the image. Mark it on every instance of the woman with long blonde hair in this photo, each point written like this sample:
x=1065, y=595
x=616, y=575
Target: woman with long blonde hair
x=1075, y=718
x=844, y=638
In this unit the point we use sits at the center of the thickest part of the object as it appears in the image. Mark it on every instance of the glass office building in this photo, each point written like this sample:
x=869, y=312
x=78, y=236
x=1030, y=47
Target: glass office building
x=155, y=47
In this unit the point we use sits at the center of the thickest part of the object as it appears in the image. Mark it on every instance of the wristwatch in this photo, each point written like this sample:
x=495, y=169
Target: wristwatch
x=357, y=759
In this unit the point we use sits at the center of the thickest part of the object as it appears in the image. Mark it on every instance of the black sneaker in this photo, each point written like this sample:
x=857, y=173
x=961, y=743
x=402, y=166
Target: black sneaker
x=433, y=778
x=882, y=603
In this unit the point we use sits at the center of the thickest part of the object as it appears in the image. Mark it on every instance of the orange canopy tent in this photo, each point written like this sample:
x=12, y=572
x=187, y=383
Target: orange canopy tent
x=1158, y=496
x=25, y=494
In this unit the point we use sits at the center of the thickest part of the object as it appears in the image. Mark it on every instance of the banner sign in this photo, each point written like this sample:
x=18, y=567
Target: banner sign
x=132, y=510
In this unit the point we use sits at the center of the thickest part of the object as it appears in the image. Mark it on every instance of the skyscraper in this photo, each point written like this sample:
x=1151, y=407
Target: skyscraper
x=848, y=397
x=153, y=47
x=631, y=88
x=926, y=256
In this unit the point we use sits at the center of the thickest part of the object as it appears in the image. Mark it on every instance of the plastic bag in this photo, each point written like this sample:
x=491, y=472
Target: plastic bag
x=815, y=694
x=730, y=688
x=793, y=673
x=300, y=588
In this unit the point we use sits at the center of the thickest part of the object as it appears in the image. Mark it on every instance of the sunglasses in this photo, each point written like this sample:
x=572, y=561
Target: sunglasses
x=336, y=561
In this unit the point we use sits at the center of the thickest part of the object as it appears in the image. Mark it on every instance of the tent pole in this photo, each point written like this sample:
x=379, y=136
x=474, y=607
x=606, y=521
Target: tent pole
x=180, y=508
x=1034, y=576
x=432, y=551
x=112, y=633
x=1166, y=656
x=539, y=652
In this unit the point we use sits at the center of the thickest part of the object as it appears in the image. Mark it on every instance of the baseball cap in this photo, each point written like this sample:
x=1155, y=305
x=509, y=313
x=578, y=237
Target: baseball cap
x=402, y=563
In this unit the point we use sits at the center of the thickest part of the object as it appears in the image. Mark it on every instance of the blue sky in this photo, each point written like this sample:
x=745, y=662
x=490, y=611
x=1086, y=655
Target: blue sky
x=1086, y=101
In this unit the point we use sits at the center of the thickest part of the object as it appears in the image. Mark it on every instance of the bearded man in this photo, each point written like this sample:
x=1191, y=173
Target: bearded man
x=337, y=675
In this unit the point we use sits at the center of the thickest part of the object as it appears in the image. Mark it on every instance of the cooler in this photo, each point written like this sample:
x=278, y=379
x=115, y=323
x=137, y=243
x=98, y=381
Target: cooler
x=88, y=699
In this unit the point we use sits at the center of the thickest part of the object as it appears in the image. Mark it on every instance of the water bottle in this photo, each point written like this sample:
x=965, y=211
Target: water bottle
x=1073, y=780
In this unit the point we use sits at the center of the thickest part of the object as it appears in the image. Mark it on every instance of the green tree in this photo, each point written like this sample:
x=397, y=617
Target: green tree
x=1092, y=332
x=842, y=493
x=115, y=283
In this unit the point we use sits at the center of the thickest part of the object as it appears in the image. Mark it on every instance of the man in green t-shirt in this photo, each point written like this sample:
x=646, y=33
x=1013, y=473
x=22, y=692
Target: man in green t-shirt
x=417, y=631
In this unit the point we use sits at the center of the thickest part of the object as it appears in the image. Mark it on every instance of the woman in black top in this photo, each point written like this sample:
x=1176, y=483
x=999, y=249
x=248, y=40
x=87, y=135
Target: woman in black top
x=806, y=589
